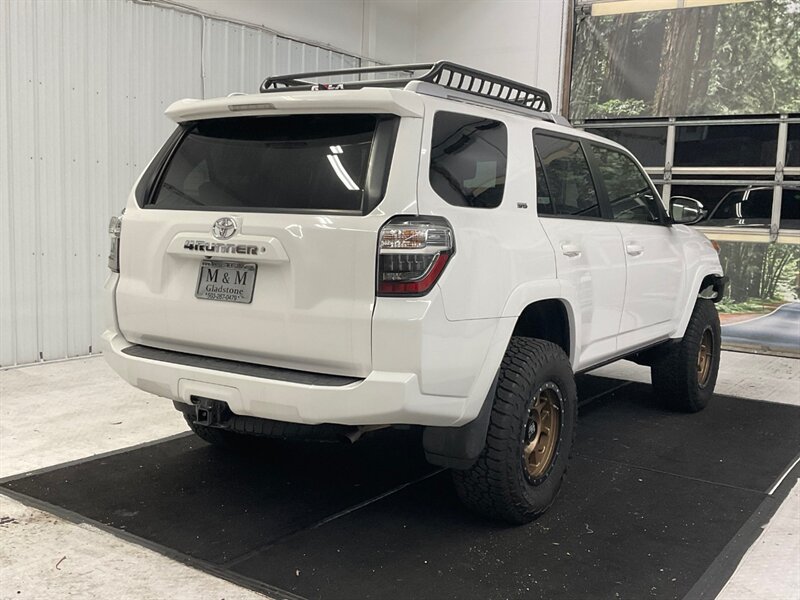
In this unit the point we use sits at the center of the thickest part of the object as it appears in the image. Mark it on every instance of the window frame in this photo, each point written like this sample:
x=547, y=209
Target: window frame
x=601, y=201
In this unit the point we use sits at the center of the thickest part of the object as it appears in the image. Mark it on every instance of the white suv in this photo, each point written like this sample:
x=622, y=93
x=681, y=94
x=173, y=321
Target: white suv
x=440, y=250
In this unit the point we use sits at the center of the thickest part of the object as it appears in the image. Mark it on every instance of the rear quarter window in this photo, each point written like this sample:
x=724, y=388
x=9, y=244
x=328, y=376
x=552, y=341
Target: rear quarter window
x=468, y=160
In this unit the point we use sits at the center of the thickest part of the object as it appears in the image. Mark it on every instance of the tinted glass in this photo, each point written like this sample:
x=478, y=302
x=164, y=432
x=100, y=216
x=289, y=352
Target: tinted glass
x=753, y=207
x=793, y=146
x=544, y=203
x=629, y=192
x=648, y=144
x=299, y=162
x=744, y=207
x=790, y=208
x=568, y=178
x=726, y=145
x=468, y=160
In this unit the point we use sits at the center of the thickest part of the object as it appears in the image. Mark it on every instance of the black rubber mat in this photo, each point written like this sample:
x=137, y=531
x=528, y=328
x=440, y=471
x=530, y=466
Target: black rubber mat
x=615, y=532
x=651, y=499
x=213, y=505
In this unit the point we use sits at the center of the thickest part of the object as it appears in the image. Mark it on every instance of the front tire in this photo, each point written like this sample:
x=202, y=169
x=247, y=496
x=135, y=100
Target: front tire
x=531, y=429
x=685, y=373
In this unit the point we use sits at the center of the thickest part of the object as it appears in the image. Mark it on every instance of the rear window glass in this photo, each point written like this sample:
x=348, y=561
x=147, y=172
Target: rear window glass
x=468, y=160
x=297, y=163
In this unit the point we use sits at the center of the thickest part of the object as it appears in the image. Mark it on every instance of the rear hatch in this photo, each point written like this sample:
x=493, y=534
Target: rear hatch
x=255, y=237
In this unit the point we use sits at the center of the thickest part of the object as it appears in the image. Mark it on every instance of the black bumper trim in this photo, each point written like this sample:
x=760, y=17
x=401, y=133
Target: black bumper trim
x=237, y=367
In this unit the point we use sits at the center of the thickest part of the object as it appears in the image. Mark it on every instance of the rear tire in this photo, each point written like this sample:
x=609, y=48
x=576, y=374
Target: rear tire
x=531, y=429
x=685, y=373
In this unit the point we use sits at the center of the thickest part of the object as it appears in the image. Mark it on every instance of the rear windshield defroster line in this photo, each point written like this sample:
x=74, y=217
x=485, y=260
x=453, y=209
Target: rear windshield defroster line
x=293, y=164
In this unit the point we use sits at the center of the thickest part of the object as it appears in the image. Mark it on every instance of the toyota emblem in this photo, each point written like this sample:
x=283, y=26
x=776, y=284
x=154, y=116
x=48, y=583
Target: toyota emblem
x=224, y=228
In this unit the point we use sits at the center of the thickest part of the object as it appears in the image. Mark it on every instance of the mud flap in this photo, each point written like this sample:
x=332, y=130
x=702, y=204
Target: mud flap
x=459, y=447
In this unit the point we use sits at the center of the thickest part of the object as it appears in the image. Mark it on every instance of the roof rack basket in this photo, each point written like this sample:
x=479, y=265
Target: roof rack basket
x=444, y=73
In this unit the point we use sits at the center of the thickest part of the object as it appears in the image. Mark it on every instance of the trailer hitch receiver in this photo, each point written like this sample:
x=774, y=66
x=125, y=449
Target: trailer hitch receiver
x=209, y=412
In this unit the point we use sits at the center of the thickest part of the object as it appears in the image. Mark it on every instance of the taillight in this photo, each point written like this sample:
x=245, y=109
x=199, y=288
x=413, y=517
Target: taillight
x=412, y=253
x=114, y=231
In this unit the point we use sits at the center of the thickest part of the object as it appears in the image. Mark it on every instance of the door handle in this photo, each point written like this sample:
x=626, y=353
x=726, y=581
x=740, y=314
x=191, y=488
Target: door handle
x=570, y=250
x=633, y=249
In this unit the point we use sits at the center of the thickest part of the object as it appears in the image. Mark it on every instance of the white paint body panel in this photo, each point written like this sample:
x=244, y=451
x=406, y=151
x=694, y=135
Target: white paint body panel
x=655, y=268
x=591, y=264
x=428, y=360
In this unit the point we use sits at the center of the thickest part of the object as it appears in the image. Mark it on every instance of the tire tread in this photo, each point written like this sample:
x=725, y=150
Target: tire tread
x=673, y=373
x=490, y=486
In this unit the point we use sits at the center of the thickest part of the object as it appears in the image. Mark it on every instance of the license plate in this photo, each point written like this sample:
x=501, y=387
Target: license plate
x=226, y=281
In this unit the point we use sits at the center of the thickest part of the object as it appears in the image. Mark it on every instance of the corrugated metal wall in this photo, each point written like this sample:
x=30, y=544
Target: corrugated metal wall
x=83, y=88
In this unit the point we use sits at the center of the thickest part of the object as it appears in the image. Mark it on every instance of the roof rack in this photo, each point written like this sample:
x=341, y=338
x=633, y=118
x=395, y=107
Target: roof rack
x=444, y=73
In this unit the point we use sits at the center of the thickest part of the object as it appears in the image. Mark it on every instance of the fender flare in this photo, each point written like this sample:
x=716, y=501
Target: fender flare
x=551, y=289
x=459, y=447
x=719, y=286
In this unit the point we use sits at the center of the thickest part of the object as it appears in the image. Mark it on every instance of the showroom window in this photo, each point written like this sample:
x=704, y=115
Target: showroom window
x=648, y=144
x=629, y=193
x=568, y=178
x=725, y=145
x=793, y=145
x=468, y=160
x=714, y=159
x=753, y=206
x=718, y=126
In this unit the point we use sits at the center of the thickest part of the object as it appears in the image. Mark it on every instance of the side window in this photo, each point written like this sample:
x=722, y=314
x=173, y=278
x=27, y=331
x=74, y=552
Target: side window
x=629, y=192
x=468, y=160
x=569, y=181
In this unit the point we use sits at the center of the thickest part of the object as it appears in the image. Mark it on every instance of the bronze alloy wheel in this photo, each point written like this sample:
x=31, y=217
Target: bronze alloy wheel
x=542, y=430
x=705, y=356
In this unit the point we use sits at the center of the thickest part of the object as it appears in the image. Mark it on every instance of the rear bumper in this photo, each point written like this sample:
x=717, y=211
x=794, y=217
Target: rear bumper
x=382, y=398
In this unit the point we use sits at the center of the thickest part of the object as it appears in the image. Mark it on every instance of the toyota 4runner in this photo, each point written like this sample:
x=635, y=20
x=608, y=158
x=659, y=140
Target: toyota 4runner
x=436, y=250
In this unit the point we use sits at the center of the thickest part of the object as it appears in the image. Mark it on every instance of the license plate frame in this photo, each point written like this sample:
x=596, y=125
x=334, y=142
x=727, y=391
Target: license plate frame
x=234, y=281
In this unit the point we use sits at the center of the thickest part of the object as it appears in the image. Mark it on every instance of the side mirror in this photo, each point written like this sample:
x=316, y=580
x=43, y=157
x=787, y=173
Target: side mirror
x=686, y=211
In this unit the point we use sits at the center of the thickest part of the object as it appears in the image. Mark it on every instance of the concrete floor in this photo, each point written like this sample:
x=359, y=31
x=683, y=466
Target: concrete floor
x=43, y=556
x=59, y=412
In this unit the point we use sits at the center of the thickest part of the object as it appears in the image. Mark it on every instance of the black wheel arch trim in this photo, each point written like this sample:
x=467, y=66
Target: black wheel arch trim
x=717, y=284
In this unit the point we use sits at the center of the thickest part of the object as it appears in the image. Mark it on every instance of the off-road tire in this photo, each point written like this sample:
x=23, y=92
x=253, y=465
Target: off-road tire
x=675, y=372
x=218, y=437
x=498, y=485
